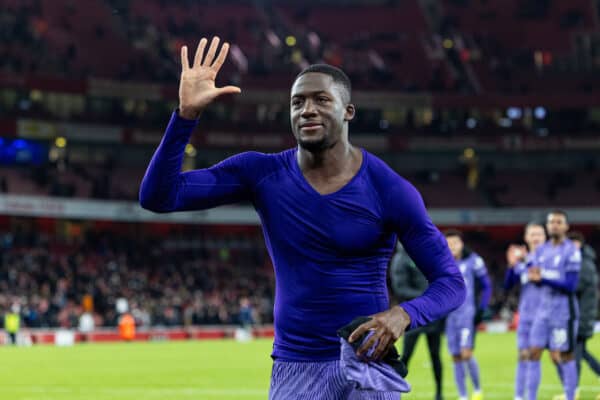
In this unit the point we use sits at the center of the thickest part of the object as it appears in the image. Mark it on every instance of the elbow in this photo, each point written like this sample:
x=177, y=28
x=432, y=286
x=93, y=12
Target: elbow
x=152, y=202
x=154, y=207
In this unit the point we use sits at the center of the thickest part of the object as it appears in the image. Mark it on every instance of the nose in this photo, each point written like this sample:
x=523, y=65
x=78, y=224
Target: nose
x=308, y=109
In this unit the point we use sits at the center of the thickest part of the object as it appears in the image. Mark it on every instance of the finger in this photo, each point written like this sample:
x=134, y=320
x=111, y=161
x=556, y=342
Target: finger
x=221, y=57
x=212, y=50
x=382, y=347
x=358, y=332
x=229, y=90
x=200, y=52
x=185, y=64
x=367, y=344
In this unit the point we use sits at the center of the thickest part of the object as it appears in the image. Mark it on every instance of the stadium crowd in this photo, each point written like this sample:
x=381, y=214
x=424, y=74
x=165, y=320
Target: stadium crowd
x=178, y=280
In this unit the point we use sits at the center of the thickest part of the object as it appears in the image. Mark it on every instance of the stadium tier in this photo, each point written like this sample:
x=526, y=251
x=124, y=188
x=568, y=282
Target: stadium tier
x=193, y=276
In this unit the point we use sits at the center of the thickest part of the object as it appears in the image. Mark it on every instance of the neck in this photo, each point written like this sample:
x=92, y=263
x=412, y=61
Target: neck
x=557, y=240
x=331, y=161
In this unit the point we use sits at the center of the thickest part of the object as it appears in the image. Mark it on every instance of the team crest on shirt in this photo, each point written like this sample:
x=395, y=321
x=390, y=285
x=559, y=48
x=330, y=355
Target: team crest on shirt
x=556, y=260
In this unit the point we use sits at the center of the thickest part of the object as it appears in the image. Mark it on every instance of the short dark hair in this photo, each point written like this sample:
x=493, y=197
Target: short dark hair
x=576, y=235
x=558, y=211
x=335, y=73
x=453, y=232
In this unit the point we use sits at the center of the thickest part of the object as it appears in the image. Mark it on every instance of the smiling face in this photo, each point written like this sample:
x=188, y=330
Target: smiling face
x=319, y=111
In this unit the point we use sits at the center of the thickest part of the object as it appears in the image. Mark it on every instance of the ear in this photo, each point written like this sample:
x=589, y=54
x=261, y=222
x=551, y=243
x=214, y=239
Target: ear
x=350, y=112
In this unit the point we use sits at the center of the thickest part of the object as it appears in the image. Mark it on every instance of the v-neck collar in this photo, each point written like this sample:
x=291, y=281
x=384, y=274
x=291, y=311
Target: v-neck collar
x=304, y=182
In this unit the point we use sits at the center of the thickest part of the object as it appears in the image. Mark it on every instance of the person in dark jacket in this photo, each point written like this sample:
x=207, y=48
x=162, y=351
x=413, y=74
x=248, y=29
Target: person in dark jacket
x=407, y=283
x=587, y=295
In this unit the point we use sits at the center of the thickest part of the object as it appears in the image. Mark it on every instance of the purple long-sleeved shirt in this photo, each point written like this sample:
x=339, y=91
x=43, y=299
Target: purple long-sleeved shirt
x=330, y=252
x=560, y=265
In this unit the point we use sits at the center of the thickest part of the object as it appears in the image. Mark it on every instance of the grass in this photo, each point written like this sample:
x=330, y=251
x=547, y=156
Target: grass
x=223, y=369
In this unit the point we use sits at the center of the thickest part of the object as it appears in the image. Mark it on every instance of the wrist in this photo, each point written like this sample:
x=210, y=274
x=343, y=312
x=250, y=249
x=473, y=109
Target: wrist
x=404, y=316
x=188, y=114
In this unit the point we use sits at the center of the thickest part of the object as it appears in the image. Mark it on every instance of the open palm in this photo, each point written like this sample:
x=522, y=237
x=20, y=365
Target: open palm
x=197, y=85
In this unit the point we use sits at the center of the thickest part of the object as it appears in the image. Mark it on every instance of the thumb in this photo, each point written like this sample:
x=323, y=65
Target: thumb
x=229, y=90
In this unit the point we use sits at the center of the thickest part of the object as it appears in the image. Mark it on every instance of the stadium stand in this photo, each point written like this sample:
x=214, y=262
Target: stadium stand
x=188, y=278
x=506, y=79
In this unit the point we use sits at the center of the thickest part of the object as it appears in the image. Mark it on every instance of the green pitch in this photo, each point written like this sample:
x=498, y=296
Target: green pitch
x=222, y=370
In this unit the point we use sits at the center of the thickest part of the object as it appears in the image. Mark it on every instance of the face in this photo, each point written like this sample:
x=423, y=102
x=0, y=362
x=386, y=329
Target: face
x=456, y=246
x=534, y=236
x=557, y=226
x=577, y=244
x=319, y=111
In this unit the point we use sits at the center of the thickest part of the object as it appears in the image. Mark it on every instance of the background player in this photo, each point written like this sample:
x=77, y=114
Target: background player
x=460, y=326
x=587, y=297
x=555, y=267
x=518, y=258
x=331, y=216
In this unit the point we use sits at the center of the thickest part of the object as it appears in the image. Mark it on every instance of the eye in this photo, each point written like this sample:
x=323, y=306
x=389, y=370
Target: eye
x=296, y=102
x=322, y=99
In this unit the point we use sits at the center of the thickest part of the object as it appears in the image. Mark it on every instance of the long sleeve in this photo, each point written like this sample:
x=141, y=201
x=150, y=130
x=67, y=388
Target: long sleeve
x=486, y=291
x=165, y=188
x=428, y=248
x=568, y=285
x=510, y=279
x=481, y=274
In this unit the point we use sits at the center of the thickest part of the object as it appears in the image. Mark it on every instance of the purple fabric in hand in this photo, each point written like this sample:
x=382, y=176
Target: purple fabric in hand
x=377, y=376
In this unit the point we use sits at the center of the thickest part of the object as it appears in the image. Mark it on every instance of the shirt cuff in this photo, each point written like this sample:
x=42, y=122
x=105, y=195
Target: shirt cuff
x=183, y=121
x=412, y=313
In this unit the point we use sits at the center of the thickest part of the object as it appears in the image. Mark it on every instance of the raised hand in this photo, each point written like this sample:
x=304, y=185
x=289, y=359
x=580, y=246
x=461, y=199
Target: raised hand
x=515, y=254
x=197, y=85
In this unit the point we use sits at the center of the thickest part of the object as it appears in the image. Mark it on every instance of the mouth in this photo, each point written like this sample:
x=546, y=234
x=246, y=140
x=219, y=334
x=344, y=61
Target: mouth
x=311, y=126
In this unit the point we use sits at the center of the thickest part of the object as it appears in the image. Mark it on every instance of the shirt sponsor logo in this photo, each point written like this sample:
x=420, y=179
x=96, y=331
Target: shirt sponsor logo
x=550, y=274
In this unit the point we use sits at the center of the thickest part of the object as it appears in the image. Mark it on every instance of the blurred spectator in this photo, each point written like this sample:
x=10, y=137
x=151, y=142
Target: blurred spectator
x=12, y=323
x=172, y=281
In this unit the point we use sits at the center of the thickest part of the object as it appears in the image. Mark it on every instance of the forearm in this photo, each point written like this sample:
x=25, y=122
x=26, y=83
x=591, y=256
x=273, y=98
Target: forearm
x=568, y=285
x=160, y=185
x=486, y=291
x=428, y=248
x=446, y=290
x=510, y=279
x=441, y=297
